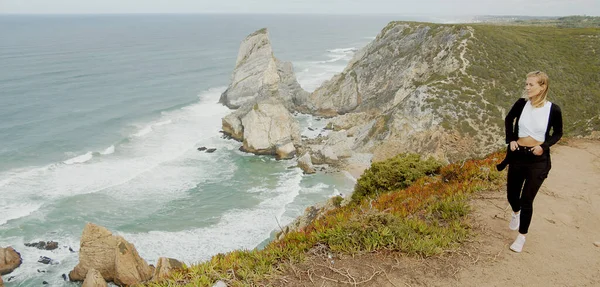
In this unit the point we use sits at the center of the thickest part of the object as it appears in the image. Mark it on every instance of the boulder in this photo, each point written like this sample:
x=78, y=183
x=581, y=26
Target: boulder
x=94, y=279
x=232, y=126
x=285, y=151
x=116, y=259
x=9, y=260
x=164, y=267
x=257, y=70
x=1, y=282
x=269, y=128
x=46, y=260
x=305, y=164
x=220, y=284
x=48, y=245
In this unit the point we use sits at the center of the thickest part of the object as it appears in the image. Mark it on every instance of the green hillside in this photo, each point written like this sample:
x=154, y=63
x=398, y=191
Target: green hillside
x=501, y=56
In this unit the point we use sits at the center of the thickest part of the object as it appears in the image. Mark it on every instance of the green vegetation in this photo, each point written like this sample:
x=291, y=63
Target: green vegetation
x=563, y=22
x=422, y=219
x=571, y=58
x=395, y=173
x=501, y=56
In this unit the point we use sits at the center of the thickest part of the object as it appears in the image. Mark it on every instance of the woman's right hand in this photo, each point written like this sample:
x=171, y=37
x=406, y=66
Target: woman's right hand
x=513, y=145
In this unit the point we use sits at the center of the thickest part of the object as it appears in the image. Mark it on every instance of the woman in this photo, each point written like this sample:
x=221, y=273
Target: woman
x=528, y=153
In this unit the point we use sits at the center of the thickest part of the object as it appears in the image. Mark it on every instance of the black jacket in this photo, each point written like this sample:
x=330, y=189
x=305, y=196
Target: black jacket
x=511, y=125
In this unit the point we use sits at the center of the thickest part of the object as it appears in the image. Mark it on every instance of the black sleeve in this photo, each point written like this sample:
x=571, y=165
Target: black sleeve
x=514, y=112
x=557, y=128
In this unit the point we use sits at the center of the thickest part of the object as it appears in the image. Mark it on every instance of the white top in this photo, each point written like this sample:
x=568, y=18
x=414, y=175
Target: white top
x=534, y=121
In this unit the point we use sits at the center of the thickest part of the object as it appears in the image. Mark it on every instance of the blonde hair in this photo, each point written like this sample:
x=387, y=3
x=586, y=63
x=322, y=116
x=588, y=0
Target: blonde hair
x=544, y=82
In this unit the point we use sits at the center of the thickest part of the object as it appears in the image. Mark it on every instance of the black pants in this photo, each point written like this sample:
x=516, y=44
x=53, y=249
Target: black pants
x=526, y=173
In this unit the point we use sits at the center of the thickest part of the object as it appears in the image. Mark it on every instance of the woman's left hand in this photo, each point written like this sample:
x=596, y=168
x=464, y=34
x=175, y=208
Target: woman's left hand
x=537, y=150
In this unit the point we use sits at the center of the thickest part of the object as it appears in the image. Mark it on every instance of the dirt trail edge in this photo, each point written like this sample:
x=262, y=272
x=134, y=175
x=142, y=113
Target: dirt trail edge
x=559, y=251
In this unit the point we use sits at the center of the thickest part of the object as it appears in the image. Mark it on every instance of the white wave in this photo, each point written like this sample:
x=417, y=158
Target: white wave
x=317, y=188
x=343, y=50
x=144, y=131
x=146, y=158
x=30, y=269
x=334, y=58
x=162, y=123
x=16, y=210
x=350, y=176
x=79, y=159
x=237, y=229
x=108, y=150
x=149, y=128
x=336, y=192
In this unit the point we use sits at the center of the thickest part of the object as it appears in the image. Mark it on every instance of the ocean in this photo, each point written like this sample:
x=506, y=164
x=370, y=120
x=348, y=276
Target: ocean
x=101, y=118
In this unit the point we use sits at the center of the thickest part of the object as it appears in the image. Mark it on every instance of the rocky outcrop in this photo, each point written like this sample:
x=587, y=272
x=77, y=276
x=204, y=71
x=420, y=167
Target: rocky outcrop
x=392, y=98
x=1, y=282
x=43, y=245
x=116, y=259
x=263, y=90
x=94, y=279
x=257, y=72
x=164, y=267
x=269, y=128
x=387, y=70
x=305, y=163
x=10, y=260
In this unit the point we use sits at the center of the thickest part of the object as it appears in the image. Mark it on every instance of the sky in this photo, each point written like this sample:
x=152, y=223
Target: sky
x=399, y=7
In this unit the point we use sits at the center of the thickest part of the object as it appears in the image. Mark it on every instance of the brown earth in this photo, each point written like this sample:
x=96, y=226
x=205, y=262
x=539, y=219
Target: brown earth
x=559, y=251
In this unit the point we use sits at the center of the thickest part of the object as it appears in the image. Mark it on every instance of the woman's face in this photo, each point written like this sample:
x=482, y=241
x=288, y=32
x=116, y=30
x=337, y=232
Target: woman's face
x=532, y=87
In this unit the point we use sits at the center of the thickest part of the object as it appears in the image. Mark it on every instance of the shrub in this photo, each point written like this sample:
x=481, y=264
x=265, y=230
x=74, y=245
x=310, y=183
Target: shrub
x=392, y=174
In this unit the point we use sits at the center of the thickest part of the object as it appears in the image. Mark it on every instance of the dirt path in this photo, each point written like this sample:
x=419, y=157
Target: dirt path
x=559, y=250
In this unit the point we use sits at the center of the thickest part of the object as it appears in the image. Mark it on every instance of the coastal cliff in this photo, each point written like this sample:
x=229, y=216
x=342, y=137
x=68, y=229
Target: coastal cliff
x=444, y=90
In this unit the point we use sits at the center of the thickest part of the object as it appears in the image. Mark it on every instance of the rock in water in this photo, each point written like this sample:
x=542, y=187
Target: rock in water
x=48, y=245
x=9, y=260
x=258, y=71
x=305, y=164
x=269, y=128
x=45, y=260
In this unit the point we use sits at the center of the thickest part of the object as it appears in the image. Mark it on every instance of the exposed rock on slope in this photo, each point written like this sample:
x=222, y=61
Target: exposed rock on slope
x=116, y=259
x=164, y=267
x=257, y=72
x=387, y=83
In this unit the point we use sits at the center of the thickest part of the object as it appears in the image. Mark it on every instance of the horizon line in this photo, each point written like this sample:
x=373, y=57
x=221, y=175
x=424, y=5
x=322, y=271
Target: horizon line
x=290, y=13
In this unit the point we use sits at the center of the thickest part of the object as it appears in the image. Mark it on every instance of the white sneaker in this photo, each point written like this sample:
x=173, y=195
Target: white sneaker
x=515, y=221
x=517, y=246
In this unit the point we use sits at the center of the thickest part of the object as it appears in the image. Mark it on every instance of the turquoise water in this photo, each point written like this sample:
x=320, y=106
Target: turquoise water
x=100, y=118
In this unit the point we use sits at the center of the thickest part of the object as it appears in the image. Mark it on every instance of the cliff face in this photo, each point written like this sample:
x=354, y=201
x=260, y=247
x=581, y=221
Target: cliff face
x=383, y=73
x=444, y=90
x=388, y=80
